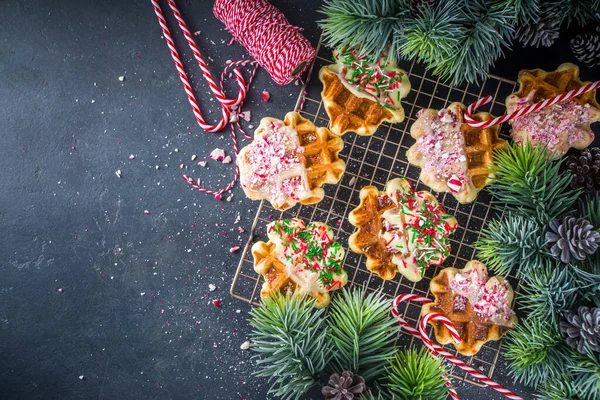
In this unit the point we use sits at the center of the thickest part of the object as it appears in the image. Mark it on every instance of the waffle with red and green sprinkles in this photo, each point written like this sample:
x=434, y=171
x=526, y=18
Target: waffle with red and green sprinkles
x=361, y=92
x=300, y=257
x=400, y=230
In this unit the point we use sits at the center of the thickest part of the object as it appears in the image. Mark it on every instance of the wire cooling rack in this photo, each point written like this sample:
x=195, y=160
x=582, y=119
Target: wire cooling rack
x=374, y=160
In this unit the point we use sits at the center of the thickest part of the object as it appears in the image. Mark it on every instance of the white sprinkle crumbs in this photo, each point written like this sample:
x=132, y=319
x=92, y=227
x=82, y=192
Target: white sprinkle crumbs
x=197, y=33
x=121, y=78
x=227, y=160
x=217, y=154
x=142, y=293
x=118, y=173
x=230, y=197
x=233, y=249
x=352, y=181
x=131, y=157
x=146, y=212
x=238, y=311
x=157, y=167
x=81, y=377
x=245, y=345
x=202, y=163
x=93, y=101
x=181, y=166
x=250, y=126
x=60, y=290
x=212, y=287
x=194, y=157
x=176, y=150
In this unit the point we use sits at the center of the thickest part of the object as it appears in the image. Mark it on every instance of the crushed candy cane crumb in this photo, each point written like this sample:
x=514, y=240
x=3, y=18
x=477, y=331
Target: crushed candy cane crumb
x=217, y=154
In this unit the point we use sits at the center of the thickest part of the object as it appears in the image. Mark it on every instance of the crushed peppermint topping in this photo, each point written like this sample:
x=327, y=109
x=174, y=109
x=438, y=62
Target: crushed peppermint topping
x=557, y=126
x=275, y=166
x=490, y=302
x=310, y=252
x=443, y=148
x=217, y=154
x=416, y=228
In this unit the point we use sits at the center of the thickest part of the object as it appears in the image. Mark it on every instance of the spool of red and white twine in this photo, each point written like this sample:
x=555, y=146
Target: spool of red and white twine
x=275, y=44
x=437, y=349
x=525, y=110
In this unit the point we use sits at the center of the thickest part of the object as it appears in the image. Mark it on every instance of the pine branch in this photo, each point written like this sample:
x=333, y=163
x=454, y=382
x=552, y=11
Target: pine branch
x=513, y=242
x=589, y=207
x=291, y=339
x=536, y=350
x=549, y=292
x=558, y=390
x=586, y=373
x=528, y=181
x=581, y=11
x=524, y=11
x=368, y=26
x=362, y=332
x=417, y=375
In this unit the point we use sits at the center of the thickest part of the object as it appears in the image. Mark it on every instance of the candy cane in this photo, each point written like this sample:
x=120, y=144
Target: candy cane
x=525, y=110
x=227, y=105
x=437, y=349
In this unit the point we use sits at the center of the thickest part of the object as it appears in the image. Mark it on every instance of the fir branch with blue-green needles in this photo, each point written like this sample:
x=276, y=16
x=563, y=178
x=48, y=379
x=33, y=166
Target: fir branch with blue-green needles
x=513, y=244
x=291, y=339
x=416, y=375
x=550, y=291
x=527, y=182
x=524, y=11
x=362, y=332
x=536, y=351
x=558, y=390
x=586, y=373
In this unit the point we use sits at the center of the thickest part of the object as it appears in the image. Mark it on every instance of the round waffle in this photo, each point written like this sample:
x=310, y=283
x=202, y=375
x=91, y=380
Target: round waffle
x=400, y=230
x=478, y=307
x=289, y=161
x=453, y=156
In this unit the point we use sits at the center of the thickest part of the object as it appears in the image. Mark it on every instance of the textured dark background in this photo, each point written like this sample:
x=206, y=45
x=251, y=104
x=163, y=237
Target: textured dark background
x=97, y=299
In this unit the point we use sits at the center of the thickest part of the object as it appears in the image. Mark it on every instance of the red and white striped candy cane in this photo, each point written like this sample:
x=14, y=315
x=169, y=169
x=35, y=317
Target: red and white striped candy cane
x=226, y=104
x=437, y=349
x=525, y=110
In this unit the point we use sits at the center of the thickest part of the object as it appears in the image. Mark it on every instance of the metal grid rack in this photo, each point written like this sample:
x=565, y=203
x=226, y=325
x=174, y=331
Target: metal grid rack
x=373, y=160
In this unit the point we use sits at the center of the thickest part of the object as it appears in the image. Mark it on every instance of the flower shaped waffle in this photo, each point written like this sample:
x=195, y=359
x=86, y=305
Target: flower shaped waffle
x=302, y=258
x=400, y=230
x=562, y=125
x=289, y=161
x=478, y=307
x=452, y=155
x=360, y=93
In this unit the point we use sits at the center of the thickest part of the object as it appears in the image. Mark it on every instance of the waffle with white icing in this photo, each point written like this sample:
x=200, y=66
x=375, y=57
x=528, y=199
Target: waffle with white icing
x=562, y=125
x=354, y=100
x=479, y=308
x=400, y=230
x=289, y=161
x=453, y=156
x=300, y=258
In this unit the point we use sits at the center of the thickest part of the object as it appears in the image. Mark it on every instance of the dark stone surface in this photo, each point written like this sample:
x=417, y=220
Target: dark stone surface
x=99, y=300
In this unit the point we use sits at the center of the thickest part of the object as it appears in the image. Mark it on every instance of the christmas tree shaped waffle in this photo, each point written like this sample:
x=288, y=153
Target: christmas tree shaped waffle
x=453, y=156
x=400, y=230
x=301, y=258
x=478, y=306
x=289, y=161
x=560, y=126
x=361, y=92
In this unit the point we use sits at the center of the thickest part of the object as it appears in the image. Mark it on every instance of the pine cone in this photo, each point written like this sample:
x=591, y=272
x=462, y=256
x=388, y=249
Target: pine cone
x=585, y=169
x=571, y=238
x=345, y=387
x=581, y=329
x=586, y=48
x=417, y=5
x=542, y=32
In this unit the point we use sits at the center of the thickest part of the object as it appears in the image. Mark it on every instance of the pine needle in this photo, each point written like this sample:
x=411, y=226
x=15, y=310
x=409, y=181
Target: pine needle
x=550, y=291
x=417, y=375
x=362, y=331
x=291, y=339
x=536, y=350
x=528, y=182
x=524, y=11
x=586, y=372
x=513, y=243
x=558, y=390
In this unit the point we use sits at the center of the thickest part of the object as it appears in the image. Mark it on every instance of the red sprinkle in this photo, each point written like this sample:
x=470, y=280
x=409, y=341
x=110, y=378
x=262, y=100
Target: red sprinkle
x=233, y=249
x=217, y=303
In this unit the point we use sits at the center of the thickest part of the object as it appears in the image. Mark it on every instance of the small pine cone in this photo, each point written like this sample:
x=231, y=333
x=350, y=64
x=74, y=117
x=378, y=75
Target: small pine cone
x=345, y=387
x=543, y=32
x=584, y=168
x=581, y=329
x=571, y=238
x=586, y=48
